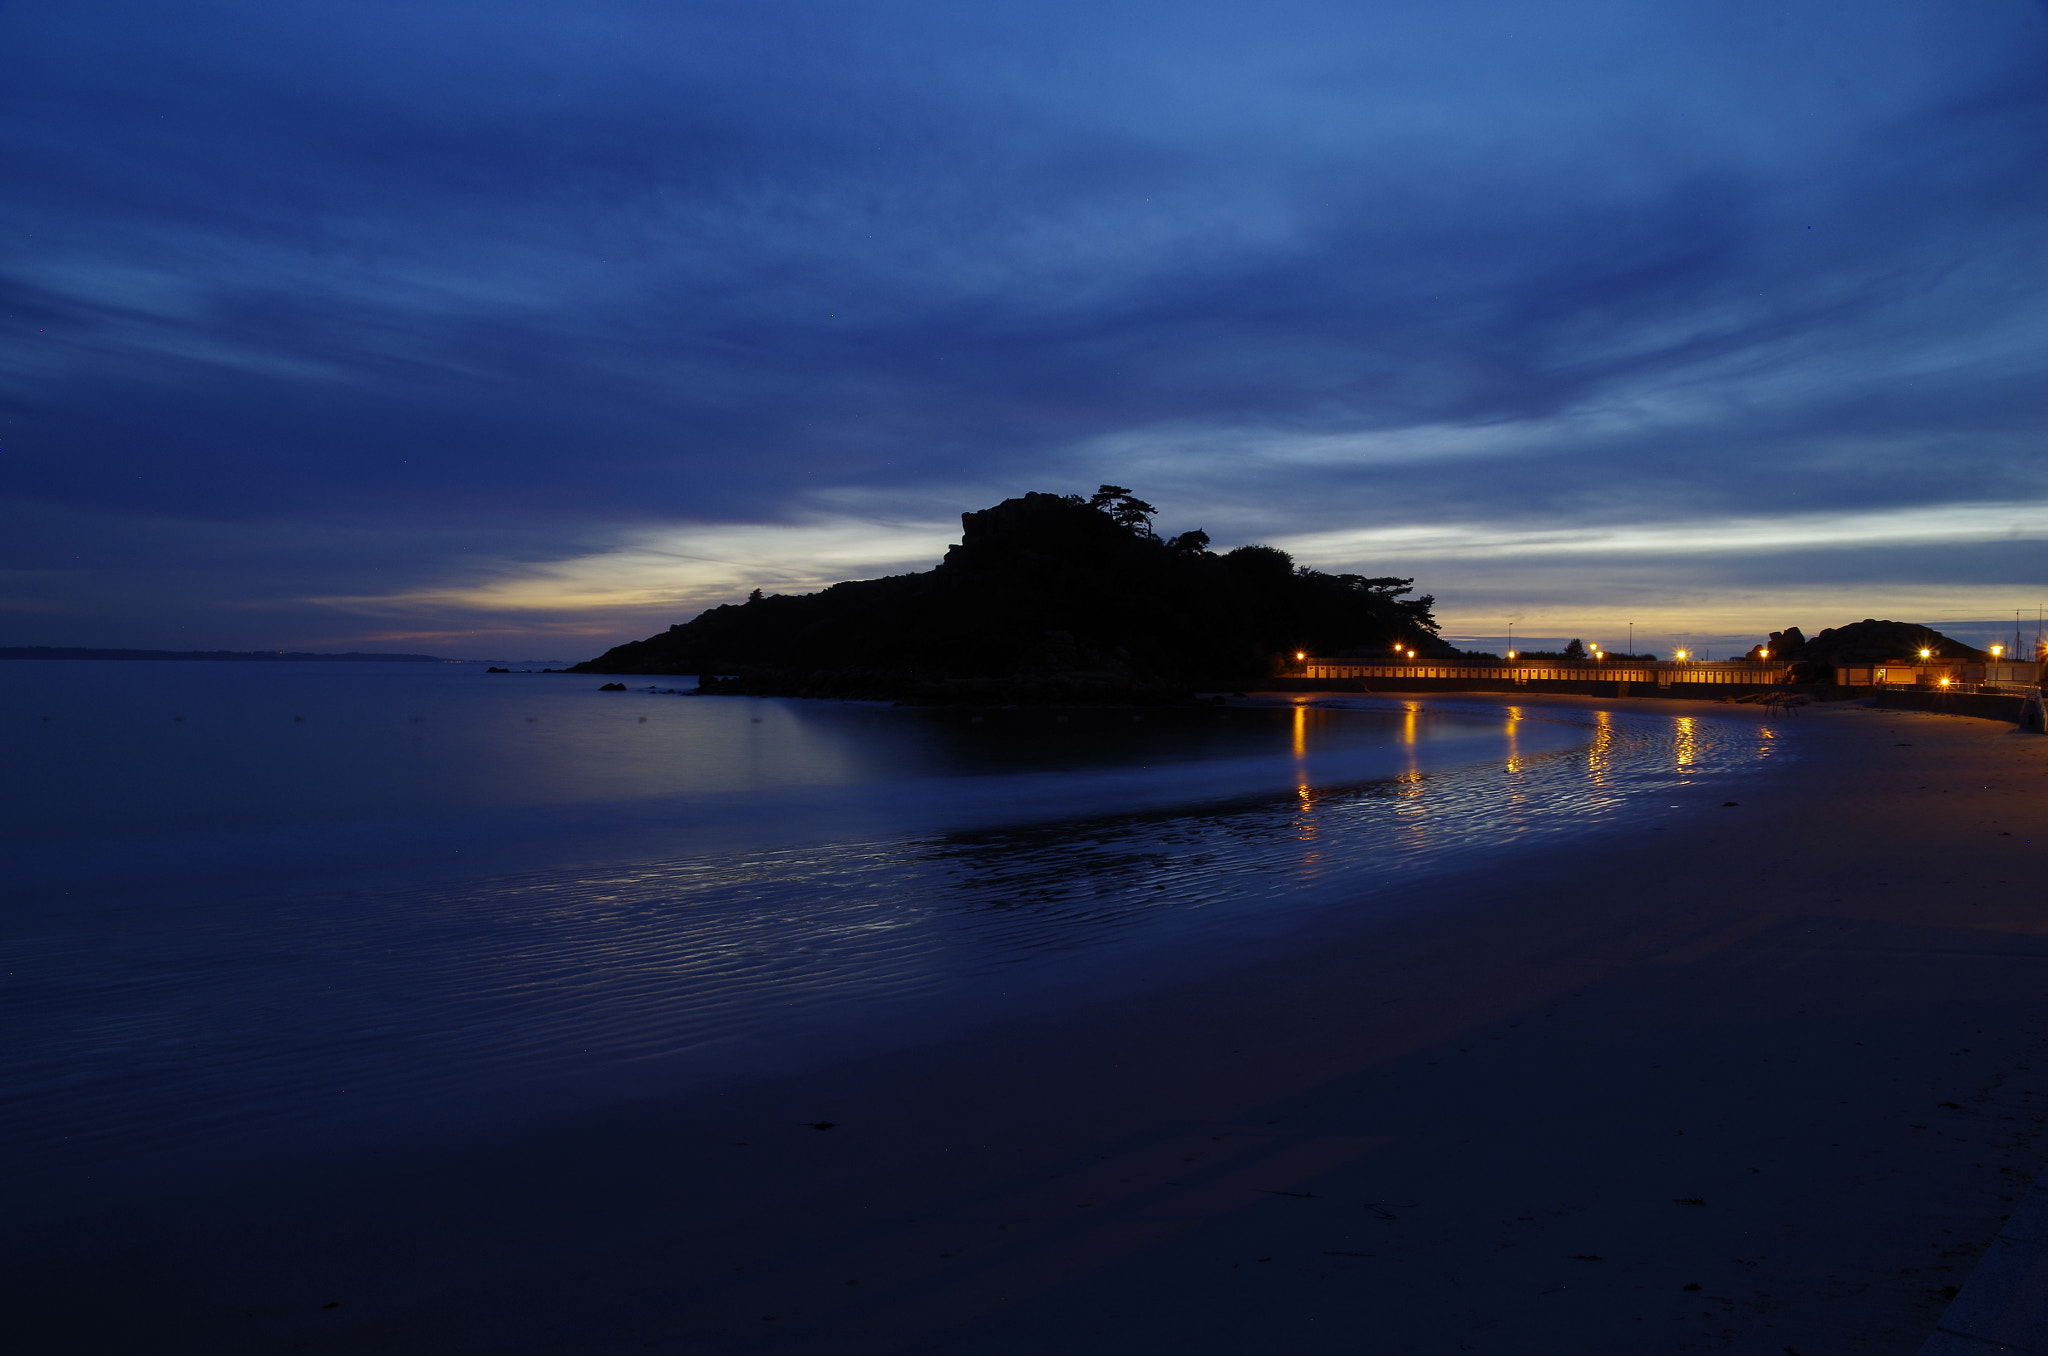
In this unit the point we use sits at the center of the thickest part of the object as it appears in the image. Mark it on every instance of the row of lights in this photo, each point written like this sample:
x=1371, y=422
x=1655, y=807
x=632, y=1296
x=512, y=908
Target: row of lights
x=1762, y=652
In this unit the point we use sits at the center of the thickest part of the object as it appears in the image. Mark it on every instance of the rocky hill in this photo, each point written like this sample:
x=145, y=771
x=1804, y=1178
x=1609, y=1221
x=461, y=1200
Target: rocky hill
x=1046, y=598
x=1866, y=642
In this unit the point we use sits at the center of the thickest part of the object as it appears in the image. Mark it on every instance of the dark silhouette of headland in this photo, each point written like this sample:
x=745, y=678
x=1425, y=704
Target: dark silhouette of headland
x=1047, y=598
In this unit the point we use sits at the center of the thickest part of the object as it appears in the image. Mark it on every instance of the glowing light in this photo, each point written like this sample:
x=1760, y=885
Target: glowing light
x=1927, y=654
x=1944, y=682
x=1301, y=654
x=1683, y=653
x=1512, y=655
x=1997, y=651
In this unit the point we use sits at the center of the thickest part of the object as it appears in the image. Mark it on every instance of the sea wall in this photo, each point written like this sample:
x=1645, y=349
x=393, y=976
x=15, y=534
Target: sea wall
x=1984, y=705
x=1987, y=705
x=1707, y=692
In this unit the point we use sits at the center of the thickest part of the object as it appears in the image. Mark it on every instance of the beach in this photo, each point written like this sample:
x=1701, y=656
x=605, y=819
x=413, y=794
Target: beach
x=1752, y=1077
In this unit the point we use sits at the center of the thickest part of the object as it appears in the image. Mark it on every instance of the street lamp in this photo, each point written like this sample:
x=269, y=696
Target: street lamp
x=1763, y=652
x=1682, y=655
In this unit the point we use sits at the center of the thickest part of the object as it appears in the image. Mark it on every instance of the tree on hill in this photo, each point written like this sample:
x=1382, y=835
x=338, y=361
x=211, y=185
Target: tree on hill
x=1125, y=509
x=1045, y=597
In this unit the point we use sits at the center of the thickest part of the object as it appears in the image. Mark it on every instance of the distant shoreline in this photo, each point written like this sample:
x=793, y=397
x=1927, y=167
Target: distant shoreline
x=272, y=656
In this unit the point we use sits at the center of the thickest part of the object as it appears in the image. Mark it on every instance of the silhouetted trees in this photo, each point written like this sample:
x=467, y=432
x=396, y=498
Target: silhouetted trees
x=1124, y=509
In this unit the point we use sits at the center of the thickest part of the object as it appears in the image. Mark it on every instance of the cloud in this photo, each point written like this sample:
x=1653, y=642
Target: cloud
x=604, y=277
x=1775, y=534
x=679, y=570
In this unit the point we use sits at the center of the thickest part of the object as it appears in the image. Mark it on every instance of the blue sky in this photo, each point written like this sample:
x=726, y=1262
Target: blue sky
x=524, y=328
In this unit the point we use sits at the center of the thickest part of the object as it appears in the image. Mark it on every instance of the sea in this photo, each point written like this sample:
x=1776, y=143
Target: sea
x=274, y=914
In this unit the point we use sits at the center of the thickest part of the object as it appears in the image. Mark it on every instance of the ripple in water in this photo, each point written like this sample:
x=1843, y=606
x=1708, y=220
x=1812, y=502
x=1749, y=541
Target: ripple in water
x=162, y=1025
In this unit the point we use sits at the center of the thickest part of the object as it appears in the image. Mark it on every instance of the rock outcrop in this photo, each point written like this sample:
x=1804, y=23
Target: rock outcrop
x=1046, y=598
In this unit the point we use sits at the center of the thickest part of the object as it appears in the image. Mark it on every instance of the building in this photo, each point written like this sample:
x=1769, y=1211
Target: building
x=1958, y=674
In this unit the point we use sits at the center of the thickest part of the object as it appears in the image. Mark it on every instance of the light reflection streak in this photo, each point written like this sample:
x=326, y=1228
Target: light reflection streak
x=1516, y=814
x=1305, y=828
x=1685, y=741
x=1411, y=737
x=1600, y=753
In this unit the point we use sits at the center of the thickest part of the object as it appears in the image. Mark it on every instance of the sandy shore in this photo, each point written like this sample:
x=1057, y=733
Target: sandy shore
x=1756, y=1078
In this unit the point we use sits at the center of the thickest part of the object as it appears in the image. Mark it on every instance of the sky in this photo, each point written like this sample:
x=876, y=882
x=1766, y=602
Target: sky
x=520, y=329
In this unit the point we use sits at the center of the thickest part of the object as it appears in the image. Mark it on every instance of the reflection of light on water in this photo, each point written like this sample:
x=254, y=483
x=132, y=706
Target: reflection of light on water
x=1600, y=753
x=1515, y=816
x=1305, y=812
x=738, y=959
x=1685, y=741
x=1304, y=794
x=1411, y=713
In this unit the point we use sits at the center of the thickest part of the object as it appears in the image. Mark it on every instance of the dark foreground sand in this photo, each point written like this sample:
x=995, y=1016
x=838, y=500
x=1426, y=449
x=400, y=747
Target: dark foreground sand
x=1763, y=1080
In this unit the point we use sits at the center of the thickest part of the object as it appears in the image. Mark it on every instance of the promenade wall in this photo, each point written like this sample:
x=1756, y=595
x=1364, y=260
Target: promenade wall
x=2011, y=707
x=1702, y=692
x=1987, y=705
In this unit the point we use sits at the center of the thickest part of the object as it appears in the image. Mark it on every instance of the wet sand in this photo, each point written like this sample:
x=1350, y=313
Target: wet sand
x=1753, y=1078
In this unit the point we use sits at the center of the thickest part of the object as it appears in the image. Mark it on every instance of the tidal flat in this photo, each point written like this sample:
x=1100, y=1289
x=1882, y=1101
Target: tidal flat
x=499, y=1014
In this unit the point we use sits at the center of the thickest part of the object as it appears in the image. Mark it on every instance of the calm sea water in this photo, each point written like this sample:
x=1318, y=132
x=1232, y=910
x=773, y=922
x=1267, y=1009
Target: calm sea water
x=259, y=912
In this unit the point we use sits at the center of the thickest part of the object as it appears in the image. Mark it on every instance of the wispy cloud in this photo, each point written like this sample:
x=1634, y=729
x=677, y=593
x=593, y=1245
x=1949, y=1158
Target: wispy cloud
x=682, y=569
x=1776, y=534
